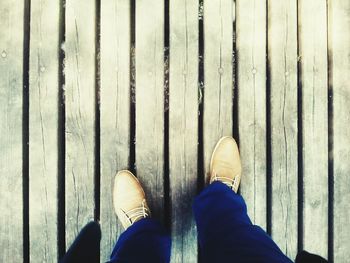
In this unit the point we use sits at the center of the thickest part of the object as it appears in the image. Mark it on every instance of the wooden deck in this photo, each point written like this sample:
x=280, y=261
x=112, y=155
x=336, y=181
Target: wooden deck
x=91, y=87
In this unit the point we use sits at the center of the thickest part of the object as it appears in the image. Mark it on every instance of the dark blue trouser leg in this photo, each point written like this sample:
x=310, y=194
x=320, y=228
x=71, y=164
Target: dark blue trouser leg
x=145, y=241
x=86, y=246
x=225, y=231
x=305, y=257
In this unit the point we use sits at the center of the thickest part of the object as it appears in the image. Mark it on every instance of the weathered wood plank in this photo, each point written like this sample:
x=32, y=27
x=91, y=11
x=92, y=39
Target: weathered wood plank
x=218, y=82
x=115, y=110
x=183, y=126
x=251, y=80
x=11, y=90
x=150, y=101
x=80, y=115
x=43, y=127
x=339, y=34
x=282, y=52
x=313, y=60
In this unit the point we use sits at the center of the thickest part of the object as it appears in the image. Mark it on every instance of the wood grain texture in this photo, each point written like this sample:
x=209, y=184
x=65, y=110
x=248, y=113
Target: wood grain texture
x=43, y=130
x=115, y=111
x=339, y=34
x=183, y=127
x=80, y=115
x=282, y=55
x=218, y=82
x=251, y=80
x=281, y=27
x=11, y=90
x=150, y=101
x=313, y=76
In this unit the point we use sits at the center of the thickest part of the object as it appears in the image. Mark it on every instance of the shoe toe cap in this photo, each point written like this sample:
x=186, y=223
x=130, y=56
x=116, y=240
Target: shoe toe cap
x=127, y=190
x=227, y=149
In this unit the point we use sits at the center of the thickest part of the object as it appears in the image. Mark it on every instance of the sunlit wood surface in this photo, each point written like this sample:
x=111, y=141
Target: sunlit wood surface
x=88, y=88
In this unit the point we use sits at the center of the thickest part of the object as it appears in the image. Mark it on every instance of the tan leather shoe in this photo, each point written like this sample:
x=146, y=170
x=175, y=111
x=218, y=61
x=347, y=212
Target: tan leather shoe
x=129, y=199
x=225, y=163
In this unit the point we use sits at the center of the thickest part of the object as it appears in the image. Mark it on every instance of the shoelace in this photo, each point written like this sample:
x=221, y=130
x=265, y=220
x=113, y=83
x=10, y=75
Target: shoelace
x=136, y=213
x=232, y=183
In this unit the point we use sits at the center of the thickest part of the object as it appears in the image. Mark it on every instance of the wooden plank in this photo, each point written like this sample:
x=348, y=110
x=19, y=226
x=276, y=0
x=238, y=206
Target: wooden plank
x=218, y=82
x=313, y=60
x=11, y=90
x=115, y=111
x=80, y=115
x=251, y=80
x=282, y=52
x=183, y=127
x=339, y=34
x=150, y=101
x=43, y=127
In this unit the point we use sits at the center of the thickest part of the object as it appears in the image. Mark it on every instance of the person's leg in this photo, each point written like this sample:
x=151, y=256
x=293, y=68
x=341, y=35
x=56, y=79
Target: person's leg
x=86, y=246
x=305, y=257
x=225, y=231
x=144, y=239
